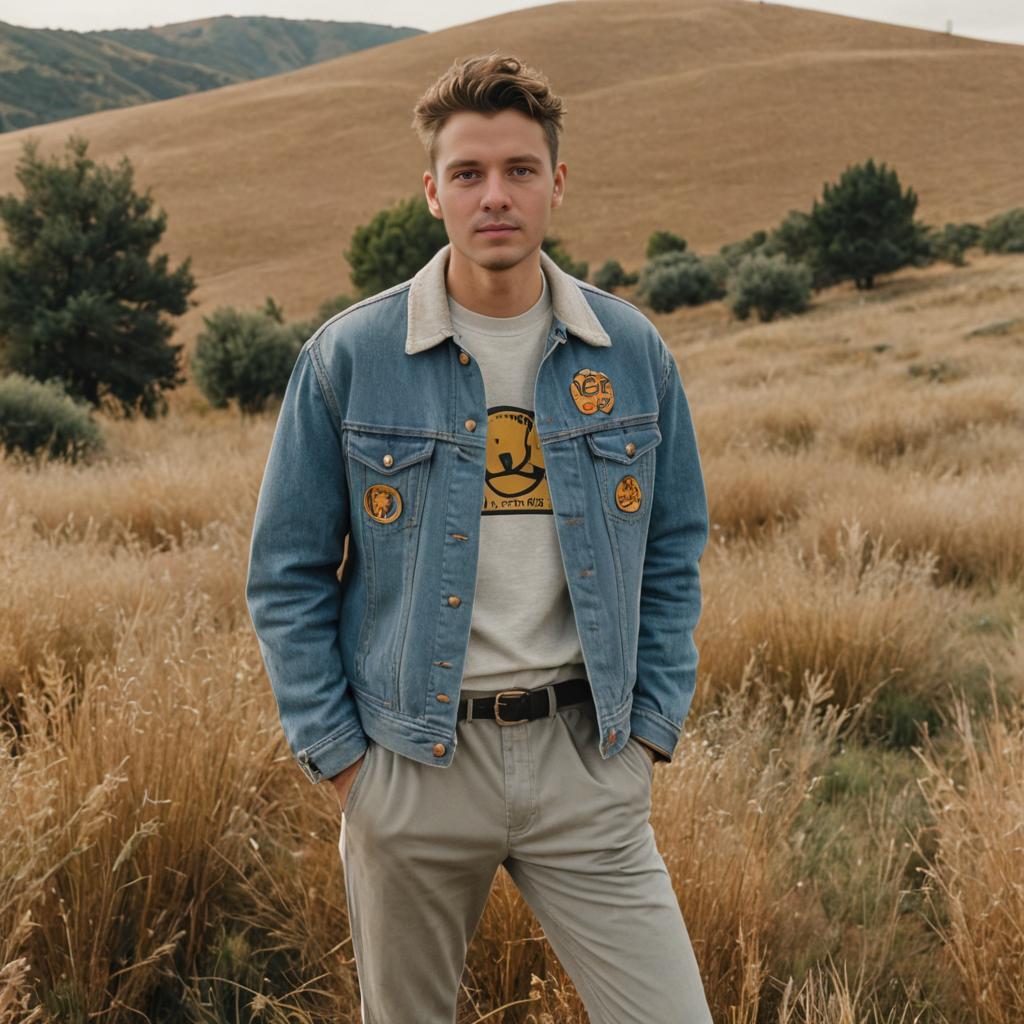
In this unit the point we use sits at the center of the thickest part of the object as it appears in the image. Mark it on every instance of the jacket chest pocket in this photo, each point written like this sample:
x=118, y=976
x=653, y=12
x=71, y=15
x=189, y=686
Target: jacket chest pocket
x=623, y=459
x=388, y=472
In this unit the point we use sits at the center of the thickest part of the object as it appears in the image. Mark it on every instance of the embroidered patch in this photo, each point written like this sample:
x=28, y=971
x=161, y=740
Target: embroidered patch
x=627, y=494
x=383, y=503
x=592, y=392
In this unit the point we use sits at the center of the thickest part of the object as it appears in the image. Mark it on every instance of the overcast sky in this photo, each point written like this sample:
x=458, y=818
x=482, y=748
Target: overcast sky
x=1001, y=20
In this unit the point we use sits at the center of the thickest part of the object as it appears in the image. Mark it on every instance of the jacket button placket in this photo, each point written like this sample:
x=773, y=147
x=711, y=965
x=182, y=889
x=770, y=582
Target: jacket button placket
x=461, y=540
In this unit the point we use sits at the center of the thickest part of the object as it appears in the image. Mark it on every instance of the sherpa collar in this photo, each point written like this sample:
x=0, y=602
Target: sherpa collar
x=430, y=321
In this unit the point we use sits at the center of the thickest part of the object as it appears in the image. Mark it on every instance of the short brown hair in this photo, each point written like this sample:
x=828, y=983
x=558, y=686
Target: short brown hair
x=487, y=85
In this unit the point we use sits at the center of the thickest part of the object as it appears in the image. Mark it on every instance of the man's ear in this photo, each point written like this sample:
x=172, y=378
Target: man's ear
x=430, y=193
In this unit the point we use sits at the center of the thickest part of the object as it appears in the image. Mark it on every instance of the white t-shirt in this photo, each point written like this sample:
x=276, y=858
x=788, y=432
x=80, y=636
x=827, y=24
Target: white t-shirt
x=523, y=630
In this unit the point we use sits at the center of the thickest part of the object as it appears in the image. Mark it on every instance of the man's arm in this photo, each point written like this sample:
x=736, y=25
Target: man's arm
x=292, y=590
x=670, y=598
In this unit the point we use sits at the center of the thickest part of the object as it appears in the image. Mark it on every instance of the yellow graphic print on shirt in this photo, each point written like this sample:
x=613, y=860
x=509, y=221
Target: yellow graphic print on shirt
x=516, y=481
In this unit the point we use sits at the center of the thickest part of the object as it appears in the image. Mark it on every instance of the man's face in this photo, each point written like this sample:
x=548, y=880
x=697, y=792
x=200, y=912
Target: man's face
x=494, y=169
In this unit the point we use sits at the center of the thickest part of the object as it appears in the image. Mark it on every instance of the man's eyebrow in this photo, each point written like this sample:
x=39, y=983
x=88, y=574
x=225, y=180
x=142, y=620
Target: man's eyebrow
x=528, y=158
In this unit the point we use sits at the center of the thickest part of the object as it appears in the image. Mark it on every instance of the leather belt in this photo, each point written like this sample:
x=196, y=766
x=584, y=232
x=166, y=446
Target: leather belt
x=513, y=707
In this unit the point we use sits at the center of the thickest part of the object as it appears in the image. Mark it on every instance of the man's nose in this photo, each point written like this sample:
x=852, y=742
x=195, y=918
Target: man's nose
x=496, y=193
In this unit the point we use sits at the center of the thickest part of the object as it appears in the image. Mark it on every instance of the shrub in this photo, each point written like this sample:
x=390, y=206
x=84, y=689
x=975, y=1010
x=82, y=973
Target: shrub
x=770, y=285
x=245, y=355
x=394, y=245
x=733, y=252
x=679, y=278
x=612, y=276
x=39, y=418
x=662, y=242
x=953, y=241
x=1004, y=232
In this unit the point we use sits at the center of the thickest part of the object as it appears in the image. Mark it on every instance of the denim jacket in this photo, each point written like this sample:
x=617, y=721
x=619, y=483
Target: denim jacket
x=381, y=439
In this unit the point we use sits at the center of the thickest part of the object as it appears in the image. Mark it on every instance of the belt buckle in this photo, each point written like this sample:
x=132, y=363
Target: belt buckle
x=497, y=709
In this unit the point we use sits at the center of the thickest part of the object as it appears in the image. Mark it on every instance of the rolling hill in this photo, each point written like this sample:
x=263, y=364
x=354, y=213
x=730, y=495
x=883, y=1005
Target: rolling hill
x=49, y=74
x=711, y=118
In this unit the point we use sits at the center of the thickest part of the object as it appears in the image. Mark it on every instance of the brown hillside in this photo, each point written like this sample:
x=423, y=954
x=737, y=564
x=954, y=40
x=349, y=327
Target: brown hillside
x=708, y=117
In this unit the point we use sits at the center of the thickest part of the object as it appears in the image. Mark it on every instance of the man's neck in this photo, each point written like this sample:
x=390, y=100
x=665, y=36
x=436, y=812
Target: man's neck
x=494, y=292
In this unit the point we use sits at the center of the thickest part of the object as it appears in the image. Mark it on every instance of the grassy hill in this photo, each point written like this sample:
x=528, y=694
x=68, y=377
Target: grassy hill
x=711, y=119
x=49, y=74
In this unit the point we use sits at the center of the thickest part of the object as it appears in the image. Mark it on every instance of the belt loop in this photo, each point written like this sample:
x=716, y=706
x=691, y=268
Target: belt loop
x=552, y=700
x=469, y=709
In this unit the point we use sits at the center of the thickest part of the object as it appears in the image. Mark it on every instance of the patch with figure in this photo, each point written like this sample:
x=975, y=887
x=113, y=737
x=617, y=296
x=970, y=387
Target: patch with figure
x=383, y=503
x=627, y=494
x=515, y=481
x=592, y=392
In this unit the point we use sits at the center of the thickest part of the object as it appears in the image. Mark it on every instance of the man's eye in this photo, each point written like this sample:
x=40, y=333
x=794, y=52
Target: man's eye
x=459, y=174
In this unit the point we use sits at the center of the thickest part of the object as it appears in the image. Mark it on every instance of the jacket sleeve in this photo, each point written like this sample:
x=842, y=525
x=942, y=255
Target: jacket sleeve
x=670, y=596
x=292, y=589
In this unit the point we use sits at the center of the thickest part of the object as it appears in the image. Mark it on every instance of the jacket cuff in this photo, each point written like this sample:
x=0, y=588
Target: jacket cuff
x=333, y=754
x=654, y=731
x=659, y=755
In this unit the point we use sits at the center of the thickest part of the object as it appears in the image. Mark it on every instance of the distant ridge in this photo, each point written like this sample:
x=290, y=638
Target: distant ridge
x=49, y=74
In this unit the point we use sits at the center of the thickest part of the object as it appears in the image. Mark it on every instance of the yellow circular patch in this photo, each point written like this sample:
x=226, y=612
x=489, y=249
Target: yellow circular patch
x=627, y=494
x=383, y=503
x=592, y=392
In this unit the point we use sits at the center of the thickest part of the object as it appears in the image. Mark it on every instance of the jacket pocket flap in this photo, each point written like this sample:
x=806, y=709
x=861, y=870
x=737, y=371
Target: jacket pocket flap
x=611, y=444
x=372, y=450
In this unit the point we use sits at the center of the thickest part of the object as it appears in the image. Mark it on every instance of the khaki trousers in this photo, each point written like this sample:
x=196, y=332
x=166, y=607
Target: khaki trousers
x=420, y=846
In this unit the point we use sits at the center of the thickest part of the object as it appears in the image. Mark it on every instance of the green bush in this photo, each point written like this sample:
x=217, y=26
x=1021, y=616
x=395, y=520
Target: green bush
x=771, y=285
x=1004, y=232
x=612, y=276
x=40, y=419
x=662, y=242
x=953, y=241
x=394, y=245
x=733, y=252
x=676, y=279
x=245, y=355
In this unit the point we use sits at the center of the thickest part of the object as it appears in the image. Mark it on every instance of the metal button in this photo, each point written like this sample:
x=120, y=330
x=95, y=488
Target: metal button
x=388, y=459
x=471, y=424
x=455, y=600
x=439, y=749
x=463, y=358
x=630, y=448
x=443, y=698
x=611, y=736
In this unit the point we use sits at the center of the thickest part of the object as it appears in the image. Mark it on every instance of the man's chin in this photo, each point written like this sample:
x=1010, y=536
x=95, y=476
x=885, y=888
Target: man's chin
x=498, y=256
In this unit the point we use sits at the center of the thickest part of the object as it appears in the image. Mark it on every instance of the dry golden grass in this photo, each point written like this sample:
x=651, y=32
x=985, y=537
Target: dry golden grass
x=163, y=859
x=976, y=880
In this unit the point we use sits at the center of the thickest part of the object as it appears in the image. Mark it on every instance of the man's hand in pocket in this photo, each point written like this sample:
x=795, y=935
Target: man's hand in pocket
x=344, y=779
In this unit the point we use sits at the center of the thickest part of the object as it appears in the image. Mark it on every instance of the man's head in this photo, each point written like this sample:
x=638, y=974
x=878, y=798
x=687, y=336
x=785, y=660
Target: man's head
x=491, y=126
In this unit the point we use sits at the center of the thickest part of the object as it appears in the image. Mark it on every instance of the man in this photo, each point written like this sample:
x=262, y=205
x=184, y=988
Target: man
x=510, y=454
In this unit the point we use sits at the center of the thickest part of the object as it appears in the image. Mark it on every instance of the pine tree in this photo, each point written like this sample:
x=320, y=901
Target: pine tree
x=80, y=298
x=864, y=226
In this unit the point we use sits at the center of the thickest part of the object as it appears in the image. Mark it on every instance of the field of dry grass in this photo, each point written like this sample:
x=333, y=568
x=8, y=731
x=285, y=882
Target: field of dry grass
x=842, y=821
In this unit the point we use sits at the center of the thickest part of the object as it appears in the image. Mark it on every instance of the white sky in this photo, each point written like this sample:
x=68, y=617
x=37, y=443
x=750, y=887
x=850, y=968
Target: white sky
x=1000, y=20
